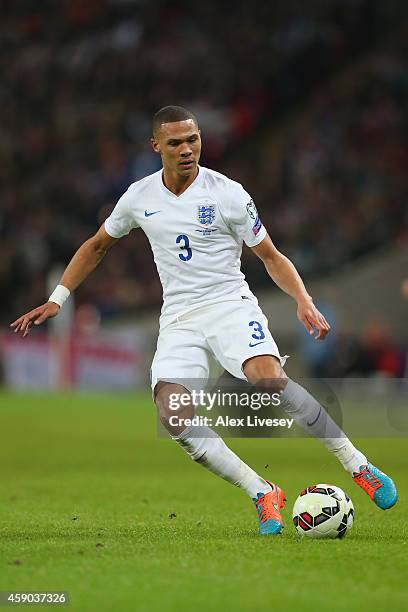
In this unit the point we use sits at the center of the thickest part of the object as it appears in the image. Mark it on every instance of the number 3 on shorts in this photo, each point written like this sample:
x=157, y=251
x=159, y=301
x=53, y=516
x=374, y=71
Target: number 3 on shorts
x=185, y=246
x=258, y=329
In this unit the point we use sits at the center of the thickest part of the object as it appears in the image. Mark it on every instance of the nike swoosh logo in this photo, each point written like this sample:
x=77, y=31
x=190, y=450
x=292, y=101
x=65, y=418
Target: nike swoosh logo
x=315, y=421
x=256, y=343
x=149, y=214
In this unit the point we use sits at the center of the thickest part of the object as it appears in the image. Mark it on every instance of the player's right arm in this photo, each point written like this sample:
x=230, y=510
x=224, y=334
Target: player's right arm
x=86, y=258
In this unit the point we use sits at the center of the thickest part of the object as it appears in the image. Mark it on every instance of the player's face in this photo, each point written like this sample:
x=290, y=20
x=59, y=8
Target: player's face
x=179, y=144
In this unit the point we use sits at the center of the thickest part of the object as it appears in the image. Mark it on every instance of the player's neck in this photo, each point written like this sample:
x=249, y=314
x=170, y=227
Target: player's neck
x=178, y=184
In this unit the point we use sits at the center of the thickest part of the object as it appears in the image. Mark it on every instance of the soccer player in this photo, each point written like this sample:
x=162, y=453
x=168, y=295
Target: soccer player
x=196, y=221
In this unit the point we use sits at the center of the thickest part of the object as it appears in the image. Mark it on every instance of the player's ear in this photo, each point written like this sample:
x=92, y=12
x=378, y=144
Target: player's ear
x=155, y=145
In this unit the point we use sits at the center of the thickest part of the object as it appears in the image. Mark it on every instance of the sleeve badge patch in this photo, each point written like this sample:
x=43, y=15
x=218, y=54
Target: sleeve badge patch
x=251, y=210
x=257, y=226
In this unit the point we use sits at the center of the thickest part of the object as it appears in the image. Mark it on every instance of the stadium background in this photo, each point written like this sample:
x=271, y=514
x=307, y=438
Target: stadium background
x=307, y=108
x=304, y=103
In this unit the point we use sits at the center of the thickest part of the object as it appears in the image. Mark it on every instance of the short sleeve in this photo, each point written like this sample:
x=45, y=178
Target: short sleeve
x=244, y=218
x=121, y=219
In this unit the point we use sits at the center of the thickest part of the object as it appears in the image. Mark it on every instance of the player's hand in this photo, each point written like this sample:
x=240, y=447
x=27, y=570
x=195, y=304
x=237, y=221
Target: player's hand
x=35, y=317
x=312, y=319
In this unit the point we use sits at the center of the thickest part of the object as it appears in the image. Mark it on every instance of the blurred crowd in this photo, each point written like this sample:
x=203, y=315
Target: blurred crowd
x=340, y=187
x=81, y=80
x=374, y=352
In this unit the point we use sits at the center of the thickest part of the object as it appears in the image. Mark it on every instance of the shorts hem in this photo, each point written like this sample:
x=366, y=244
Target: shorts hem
x=283, y=359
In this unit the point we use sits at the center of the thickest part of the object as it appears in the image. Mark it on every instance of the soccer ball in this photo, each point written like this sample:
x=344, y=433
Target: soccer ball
x=323, y=511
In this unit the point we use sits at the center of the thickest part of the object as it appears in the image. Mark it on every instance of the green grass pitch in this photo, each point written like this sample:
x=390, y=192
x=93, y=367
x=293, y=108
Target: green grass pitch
x=93, y=503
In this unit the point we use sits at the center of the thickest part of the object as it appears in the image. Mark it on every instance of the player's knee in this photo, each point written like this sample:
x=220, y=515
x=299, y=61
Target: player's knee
x=172, y=407
x=265, y=371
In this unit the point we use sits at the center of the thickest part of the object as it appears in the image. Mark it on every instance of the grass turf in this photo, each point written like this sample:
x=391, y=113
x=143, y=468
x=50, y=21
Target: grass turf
x=93, y=503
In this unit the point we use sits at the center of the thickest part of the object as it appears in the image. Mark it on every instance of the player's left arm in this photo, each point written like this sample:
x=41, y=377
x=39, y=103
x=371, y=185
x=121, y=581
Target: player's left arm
x=284, y=274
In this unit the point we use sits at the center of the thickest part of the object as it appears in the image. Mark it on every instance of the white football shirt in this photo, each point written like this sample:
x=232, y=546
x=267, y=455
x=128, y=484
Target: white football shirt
x=196, y=238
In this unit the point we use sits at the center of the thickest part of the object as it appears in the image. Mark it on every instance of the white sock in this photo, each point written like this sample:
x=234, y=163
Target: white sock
x=207, y=448
x=310, y=415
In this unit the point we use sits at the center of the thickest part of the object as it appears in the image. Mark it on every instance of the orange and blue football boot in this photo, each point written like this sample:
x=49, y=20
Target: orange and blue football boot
x=377, y=485
x=268, y=506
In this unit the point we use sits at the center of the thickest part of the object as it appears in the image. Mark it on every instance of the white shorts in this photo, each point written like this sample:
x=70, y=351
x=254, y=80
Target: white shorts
x=201, y=344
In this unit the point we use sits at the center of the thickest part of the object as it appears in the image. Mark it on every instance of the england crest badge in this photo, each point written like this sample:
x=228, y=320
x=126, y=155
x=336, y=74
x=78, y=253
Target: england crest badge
x=206, y=214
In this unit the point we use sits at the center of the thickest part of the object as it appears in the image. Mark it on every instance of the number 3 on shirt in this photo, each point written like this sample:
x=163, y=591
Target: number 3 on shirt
x=185, y=246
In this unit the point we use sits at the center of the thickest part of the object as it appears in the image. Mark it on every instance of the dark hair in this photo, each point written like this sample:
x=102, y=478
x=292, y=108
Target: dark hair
x=171, y=114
